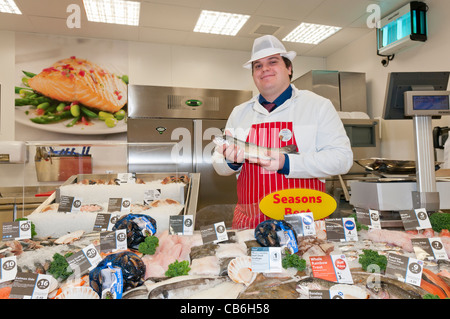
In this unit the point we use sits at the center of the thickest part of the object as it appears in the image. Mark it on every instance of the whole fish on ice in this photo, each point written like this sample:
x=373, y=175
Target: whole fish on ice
x=252, y=150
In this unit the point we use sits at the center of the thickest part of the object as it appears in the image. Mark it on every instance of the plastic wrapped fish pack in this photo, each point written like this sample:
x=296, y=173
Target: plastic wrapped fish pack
x=132, y=270
x=138, y=226
x=267, y=233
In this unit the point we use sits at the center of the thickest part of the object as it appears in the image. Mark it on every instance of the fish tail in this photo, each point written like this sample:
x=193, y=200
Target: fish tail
x=289, y=149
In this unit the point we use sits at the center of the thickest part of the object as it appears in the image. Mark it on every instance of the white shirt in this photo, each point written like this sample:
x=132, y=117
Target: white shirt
x=323, y=145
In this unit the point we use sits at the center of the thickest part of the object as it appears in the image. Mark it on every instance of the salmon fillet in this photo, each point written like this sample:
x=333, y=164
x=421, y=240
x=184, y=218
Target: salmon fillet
x=74, y=79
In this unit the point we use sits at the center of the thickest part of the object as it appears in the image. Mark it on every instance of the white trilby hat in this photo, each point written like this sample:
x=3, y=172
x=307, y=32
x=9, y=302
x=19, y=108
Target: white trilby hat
x=265, y=46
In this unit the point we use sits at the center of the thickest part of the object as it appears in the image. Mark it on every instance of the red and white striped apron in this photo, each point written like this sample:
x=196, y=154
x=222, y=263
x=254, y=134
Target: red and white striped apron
x=254, y=182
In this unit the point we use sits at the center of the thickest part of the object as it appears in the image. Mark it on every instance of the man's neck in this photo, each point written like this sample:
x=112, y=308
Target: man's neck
x=273, y=97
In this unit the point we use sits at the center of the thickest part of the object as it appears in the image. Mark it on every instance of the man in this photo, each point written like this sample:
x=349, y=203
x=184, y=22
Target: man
x=292, y=116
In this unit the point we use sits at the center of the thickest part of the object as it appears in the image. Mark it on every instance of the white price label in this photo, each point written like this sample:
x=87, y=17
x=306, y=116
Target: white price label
x=422, y=218
x=350, y=231
x=342, y=269
x=8, y=268
x=374, y=216
x=308, y=225
x=266, y=259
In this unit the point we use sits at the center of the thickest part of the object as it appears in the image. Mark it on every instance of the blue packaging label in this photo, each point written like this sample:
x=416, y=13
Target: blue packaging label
x=145, y=223
x=287, y=238
x=112, y=282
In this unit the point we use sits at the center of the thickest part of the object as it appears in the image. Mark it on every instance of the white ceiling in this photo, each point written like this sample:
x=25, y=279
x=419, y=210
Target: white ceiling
x=172, y=21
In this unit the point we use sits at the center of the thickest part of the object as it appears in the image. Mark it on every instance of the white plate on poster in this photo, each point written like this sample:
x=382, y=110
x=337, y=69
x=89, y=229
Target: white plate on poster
x=97, y=127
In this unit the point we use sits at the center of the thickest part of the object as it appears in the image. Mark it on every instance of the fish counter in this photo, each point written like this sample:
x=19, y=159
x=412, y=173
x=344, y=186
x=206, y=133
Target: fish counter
x=148, y=249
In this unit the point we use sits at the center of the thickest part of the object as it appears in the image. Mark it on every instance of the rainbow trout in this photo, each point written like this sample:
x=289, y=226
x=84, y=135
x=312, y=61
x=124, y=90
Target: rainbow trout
x=252, y=150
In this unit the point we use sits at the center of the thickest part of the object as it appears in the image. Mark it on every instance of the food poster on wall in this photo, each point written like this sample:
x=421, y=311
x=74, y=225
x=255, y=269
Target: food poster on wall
x=70, y=88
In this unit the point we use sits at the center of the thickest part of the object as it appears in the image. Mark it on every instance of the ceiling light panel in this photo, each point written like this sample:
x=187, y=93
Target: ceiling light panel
x=311, y=33
x=220, y=22
x=113, y=11
x=9, y=6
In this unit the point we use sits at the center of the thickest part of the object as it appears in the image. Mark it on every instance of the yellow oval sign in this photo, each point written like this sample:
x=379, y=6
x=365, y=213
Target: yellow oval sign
x=297, y=200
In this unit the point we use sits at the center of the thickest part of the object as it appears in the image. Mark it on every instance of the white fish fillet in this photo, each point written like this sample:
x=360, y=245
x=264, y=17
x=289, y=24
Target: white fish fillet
x=231, y=250
x=205, y=266
x=225, y=290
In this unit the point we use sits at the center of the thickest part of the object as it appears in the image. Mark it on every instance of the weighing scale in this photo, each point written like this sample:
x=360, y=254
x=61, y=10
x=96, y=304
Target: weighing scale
x=420, y=96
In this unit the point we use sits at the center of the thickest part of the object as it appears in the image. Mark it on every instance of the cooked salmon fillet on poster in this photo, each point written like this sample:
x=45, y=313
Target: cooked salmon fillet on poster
x=80, y=80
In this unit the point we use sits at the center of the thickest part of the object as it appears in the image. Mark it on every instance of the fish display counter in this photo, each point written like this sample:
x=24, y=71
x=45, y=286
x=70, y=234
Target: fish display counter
x=140, y=258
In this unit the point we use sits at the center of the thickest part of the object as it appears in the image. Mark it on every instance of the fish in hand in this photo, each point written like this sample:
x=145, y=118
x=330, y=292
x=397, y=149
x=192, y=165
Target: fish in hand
x=252, y=150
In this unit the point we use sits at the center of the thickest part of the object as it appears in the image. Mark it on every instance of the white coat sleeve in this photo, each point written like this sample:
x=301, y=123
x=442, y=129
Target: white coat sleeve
x=331, y=153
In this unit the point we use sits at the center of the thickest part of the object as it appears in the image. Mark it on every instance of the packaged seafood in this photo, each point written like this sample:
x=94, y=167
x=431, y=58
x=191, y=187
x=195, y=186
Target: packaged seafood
x=266, y=233
x=133, y=270
x=138, y=226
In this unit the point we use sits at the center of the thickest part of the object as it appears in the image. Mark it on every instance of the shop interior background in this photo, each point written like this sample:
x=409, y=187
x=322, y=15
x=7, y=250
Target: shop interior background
x=166, y=64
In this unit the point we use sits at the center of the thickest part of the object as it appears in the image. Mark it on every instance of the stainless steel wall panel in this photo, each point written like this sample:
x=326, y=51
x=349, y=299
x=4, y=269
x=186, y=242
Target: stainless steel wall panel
x=179, y=102
x=353, y=91
x=322, y=82
x=346, y=90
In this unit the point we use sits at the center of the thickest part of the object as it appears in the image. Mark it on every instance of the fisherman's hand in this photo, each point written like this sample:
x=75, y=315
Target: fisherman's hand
x=274, y=164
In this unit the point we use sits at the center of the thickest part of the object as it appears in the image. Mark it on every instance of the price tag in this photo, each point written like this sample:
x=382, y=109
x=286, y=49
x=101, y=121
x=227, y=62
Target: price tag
x=151, y=195
x=69, y=204
x=341, y=229
x=104, y=222
x=332, y=268
x=214, y=233
x=30, y=286
x=113, y=240
x=16, y=230
x=303, y=223
x=362, y=215
x=266, y=259
x=374, y=216
x=405, y=269
x=119, y=205
x=181, y=224
x=429, y=248
x=415, y=219
x=326, y=294
x=84, y=260
x=8, y=268
x=319, y=294
x=126, y=178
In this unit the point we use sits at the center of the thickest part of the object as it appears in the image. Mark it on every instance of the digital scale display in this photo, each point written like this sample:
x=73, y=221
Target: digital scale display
x=427, y=103
x=431, y=102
